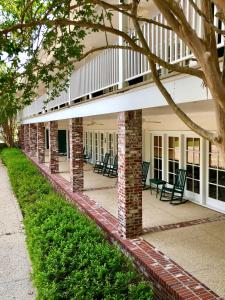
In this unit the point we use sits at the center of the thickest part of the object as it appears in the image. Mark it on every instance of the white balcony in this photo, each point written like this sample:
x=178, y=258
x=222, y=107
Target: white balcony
x=101, y=74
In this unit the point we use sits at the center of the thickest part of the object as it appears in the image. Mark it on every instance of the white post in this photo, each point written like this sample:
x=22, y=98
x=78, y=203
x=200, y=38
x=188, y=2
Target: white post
x=123, y=26
x=203, y=171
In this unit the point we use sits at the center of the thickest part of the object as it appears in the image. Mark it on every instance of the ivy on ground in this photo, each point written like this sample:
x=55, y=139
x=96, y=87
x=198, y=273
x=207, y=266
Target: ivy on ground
x=70, y=255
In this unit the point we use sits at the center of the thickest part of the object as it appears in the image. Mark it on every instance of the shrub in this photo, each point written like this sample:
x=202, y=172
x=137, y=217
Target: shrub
x=70, y=255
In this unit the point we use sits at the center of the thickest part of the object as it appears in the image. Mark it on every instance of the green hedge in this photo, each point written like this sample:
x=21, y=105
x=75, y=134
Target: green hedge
x=70, y=255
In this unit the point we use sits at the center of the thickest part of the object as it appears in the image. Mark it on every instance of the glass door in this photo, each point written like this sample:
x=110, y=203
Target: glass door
x=91, y=146
x=96, y=146
x=216, y=179
x=173, y=157
x=157, y=161
x=102, y=146
x=111, y=147
x=193, y=167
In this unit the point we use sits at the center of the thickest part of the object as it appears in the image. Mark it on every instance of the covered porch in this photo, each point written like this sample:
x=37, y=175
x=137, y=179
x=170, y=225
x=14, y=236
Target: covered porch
x=191, y=235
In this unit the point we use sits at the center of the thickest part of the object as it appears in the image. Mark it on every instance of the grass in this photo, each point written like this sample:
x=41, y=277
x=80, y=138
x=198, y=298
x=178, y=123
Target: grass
x=70, y=255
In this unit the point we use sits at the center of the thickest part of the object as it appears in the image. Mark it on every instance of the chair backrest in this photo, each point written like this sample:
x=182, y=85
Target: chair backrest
x=145, y=168
x=106, y=159
x=180, y=179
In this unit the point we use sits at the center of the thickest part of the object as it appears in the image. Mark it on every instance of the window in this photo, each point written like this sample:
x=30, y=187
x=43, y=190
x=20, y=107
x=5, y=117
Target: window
x=86, y=143
x=110, y=147
x=116, y=143
x=216, y=175
x=96, y=146
x=193, y=164
x=173, y=158
x=90, y=144
x=101, y=146
x=157, y=157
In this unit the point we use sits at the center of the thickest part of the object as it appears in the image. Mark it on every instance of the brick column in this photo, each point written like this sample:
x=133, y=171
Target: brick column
x=41, y=142
x=76, y=154
x=21, y=136
x=33, y=139
x=129, y=173
x=27, y=138
x=53, y=147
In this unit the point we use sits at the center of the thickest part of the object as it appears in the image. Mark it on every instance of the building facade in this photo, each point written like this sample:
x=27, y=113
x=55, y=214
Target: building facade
x=111, y=98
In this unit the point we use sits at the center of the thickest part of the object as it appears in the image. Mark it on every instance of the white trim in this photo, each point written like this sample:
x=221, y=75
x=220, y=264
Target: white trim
x=146, y=96
x=187, y=194
x=211, y=202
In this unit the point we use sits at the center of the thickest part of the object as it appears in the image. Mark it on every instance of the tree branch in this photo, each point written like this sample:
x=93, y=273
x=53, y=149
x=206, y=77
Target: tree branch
x=193, y=126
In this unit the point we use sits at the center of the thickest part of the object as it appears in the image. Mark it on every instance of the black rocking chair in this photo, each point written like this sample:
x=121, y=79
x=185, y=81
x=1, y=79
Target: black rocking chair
x=100, y=166
x=175, y=193
x=144, y=170
x=111, y=170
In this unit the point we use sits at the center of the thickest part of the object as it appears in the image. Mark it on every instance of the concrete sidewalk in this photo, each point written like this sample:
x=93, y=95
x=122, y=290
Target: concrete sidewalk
x=15, y=266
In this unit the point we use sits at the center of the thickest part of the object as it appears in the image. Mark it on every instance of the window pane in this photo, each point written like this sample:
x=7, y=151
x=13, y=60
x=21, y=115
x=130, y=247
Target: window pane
x=171, y=170
x=190, y=157
x=221, y=177
x=160, y=174
x=196, y=158
x=189, y=171
x=196, y=173
x=221, y=193
x=171, y=177
x=196, y=144
x=190, y=144
x=156, y=143
x=221, y=164
x=212, y=191
x=176, y=166
x=160, y=152
x=177, y=155
x=171, y=154
x=156, y=163
x=176, y=142
x=212, y=176
x=189, y=184
x=196, y=187
x=160, y=164
x=160, y=141
x=171, y=144
x=155, y=152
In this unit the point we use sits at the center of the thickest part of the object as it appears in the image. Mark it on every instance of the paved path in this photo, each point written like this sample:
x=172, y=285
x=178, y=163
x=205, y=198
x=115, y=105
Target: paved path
x=14, y=262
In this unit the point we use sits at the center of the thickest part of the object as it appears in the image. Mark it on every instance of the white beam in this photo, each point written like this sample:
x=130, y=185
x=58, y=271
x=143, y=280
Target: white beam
x=183, y=89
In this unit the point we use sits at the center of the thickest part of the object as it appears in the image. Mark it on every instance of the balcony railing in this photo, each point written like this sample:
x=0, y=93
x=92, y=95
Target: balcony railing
x=101, y=74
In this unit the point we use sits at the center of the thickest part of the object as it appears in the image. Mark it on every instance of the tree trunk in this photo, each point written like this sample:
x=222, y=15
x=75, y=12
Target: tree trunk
x=8, y=131
x=220, y=142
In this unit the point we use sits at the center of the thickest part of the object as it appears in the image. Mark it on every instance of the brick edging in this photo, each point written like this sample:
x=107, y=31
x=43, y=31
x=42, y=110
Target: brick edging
x=170, y=281
x=183, y=224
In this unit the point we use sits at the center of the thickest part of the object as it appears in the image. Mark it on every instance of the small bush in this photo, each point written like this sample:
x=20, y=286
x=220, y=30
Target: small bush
x=70, y=255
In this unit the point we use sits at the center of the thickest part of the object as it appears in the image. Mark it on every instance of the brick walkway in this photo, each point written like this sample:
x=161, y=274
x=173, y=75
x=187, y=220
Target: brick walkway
x=184, y=224
x=170, y=281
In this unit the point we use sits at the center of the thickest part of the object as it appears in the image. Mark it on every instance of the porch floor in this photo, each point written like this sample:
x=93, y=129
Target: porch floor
x=199, y=249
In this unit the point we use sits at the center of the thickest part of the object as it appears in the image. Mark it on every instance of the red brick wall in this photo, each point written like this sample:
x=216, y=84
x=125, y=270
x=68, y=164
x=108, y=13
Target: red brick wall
x=53, y=147
x=21, y=136
x=33, y=139
x=76, y=154
x=41, y=142
x=27, y=138
x=129, y=173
